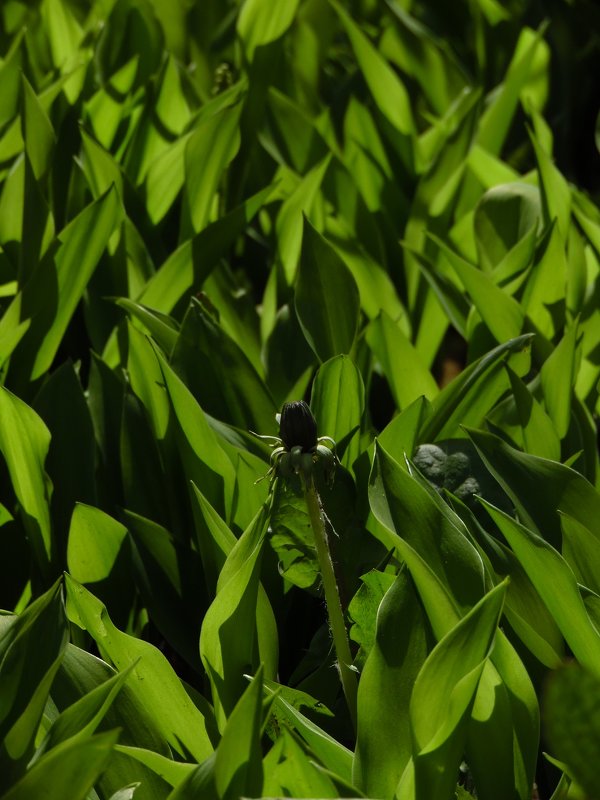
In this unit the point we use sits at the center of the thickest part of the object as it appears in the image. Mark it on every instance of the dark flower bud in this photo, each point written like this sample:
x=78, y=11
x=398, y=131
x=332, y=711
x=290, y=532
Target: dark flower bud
x=297, y=426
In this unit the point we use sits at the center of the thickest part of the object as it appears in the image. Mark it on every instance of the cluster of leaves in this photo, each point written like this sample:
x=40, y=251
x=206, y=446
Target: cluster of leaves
x=209, y=208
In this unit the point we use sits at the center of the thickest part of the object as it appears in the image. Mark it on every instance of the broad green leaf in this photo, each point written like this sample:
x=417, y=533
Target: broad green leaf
x=107, y=107
x=500, y=312
x=166, y=573
x=24, y=442
x=473, y=393
x=192, y=261
x=146, y=379
x=327, y=301
x=376, y=290
x=328, y=750
x=544, y=291
x=443, y=693
x=503, y=217
x=161, y=327
x=83, y=716
x=581, y=551
x=214, y=539
x=31, y=649
x=156, y=686
x=558, y=375
x=71, y=461
x=539, y=434
x=173, y=772
x=572, y=722
x=229, y=388
x=524, y=608
x=409, y=513
x=238, y=762
x=208, y=151
x=95, y=540
x=80, y=674
x=38, y=133
x=228, y=637
x=388, y=91
x=399, y=436
x=556, y=585
x=100, y=167
x=362, y=611
x=338, y=403
x=384, y=691
x=425, y=57
x=497, y=117
x=81, y=244
x=261, y=22
x=556, y=195
x=203, y=458
x=539, y=488
x=291, y=772
x=400, y=362
x=503, y=731
x=68, y=770
x=289, y=223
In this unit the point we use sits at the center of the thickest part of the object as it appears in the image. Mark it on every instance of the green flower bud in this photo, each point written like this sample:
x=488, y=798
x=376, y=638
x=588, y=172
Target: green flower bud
x=297, y=426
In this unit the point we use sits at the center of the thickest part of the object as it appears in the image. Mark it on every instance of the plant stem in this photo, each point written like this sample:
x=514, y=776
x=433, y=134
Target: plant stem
x=332, y=597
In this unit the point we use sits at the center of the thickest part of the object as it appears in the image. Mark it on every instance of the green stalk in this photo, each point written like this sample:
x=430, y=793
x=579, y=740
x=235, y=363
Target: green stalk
x=332, y=597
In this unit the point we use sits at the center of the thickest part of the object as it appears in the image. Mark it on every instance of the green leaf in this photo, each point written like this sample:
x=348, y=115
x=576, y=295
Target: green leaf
x=328, y=750
x=68, y=770
x=24, y=442
x=500, y=312
x=581, y=551
x=327, y=301
x=504, y=216
x=291, y=772
x=539, y=434
x=338, y=403
x=38, y=133
x=208, y=151
x=443, y=693
x=558, y=376
x=544, y=294
x=388, y=91
x=556, y=585
x=228, y=636
x=497, y=117
x=80, y=246
x=556, y=195
x=71, y=460
x=173, y=772
x=261, y=22
x=156, y=686
x=31, y=649
x=95, y=540
x=289, y=225
x=410, y=513
x=539, y=488
x=81, y=719
x=204, y=460
x=400, y=362
x=572, y=722
x=162, y=328
x=229, y=388
x=238, y=762
x=398, y=653
x=473, y=393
